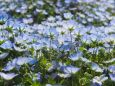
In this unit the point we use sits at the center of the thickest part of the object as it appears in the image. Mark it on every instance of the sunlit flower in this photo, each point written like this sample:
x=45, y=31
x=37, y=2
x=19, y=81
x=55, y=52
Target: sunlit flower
x=69, y=69
x=68, y=15
x=7, y=45
x=3, y=55
x=96, y=67
x=15, y=63
x=8, y=76
x=98, y=80
x=112, y=76
x=75, y=56
x=111, y=68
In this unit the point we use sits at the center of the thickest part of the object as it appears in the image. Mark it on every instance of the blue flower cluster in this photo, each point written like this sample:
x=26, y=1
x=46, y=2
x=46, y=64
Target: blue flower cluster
x=57, y=43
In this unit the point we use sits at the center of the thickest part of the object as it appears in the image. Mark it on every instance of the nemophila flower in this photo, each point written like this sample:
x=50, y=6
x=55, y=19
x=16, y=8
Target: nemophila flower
x=61, y=39
x=7, y=45
x=51, y=19
x=109, y=29
x=37, y=46
x=112, y=22
x=70, y=25
x=8, y=76
x=10, y=65
x=93, y=50
x=2, y=38
x=69, y=69
x=24, y=38
x=86, y=39
x=61, y=31
x=3, y=55
x=3, y=17
x=90, y=19
x=18, y=10
x=67, y=1
x=12, y=6
x=19, y=26
x=20, y=39
x=15, y=63
x=67, y=47
x=9, y=23
x=40, y=3
x=112, y=76
x=109, y=39
x=39, y=76
x=111, y=68
x=49, y=43
x=94, y=37
x=59, y=18
x=53, y=32
x=28, y=20
x=64, y=75
x=25, y=60
x=75, y=56
x=68, y=15
x=98, y=80
x=88, y=1
x=96, y=67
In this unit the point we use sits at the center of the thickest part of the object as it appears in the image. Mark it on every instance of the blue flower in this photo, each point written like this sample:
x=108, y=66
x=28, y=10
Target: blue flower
x=3, y=16
x=68, y=15
x=96, y=67
x=112, y=76
x=69, y=69
x=11, y=65
x=67, y=47
x=75, y=56
x=39, y=76
x=111, y=68
x=8, y=76
x=25, y=60
x=7, y=45
x=64, y=75
x=17, y=62
x=3, y=55
x=98, y=80
x=67, y=1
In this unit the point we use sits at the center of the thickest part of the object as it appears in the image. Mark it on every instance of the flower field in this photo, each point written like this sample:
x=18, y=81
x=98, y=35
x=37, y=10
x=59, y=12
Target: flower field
x=57, y=42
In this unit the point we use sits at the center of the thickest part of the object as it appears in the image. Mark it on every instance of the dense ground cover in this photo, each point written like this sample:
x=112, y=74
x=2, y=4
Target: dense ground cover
x=57, y=43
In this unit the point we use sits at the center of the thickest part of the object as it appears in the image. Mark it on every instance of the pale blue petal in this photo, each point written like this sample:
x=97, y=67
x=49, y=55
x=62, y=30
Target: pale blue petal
x=3, y=55
x=112, y=76
x=8, y=76
x=69, y=69
x=111, y=68
x=7, y=45
x=75, y=56
x=96, y=67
